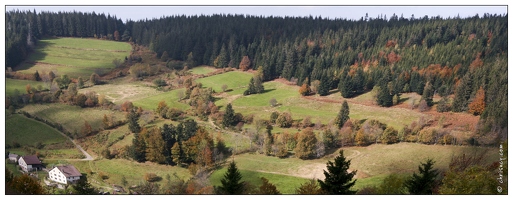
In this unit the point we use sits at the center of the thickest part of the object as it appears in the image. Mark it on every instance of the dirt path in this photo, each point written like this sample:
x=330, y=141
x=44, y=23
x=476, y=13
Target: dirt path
x=88, y=157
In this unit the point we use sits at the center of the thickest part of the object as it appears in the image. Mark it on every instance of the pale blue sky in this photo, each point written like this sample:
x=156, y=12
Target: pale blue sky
x=332, y=12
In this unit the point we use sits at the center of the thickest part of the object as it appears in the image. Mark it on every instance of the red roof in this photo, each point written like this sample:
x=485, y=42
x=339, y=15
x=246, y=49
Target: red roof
x=69, y=170
x=31, y=160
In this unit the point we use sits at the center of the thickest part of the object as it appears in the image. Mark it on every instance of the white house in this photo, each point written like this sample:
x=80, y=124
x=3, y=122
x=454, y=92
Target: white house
x=64, y=174
x=13, y=157
x=30, y=163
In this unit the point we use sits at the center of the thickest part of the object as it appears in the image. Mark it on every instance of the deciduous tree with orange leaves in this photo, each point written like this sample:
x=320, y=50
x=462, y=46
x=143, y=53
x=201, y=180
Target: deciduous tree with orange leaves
x=305, y=89
x=477, y=106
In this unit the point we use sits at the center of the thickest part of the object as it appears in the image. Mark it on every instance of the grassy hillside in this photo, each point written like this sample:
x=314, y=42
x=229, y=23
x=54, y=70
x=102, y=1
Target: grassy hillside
x=27, y=132
x=202, y=70
x=13, y=84
x=373, y=163
x=234, y=79
x=285, y=184
x=171, y=98
x=72, y=118
x=74, y=56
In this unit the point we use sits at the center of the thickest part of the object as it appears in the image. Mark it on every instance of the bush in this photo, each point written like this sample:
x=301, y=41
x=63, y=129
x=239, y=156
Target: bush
x=159, y=82
x=151, y=177
x=274, y=116
x=284, y=120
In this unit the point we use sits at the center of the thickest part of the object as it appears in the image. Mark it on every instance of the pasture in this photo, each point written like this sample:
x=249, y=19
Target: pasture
x=72, y=118
x=202, y=70
x=28, y=132
x=285, y=184
x=20, y=85
x=115, y=169
x=171, y=99
x=74, y=56
x=233, y=79
x=373, y=163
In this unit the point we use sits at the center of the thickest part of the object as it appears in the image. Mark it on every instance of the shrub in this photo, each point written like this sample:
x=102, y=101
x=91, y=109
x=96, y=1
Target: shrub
x=284, y=120
x=274, y=116
x=151, y=177
x=159, y=82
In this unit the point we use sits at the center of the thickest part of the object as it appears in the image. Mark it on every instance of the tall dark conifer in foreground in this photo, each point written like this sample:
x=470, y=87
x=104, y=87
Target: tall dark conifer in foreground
x=231, y=183
x=424, y=182
x=337, y=179
x=133, y=123
x=229, y=116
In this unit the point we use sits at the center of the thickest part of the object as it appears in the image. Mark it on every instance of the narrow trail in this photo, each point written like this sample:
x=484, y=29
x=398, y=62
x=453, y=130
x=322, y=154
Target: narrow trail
x=88, y=157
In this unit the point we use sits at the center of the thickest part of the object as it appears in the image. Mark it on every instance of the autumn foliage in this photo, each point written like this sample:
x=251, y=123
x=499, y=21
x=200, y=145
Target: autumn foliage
x=305, y=90
x=244, y=63
x=477, y=106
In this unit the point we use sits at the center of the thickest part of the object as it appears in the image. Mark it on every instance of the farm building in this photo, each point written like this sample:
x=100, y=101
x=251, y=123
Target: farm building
x=13, y=157
x=30, y=163
x=67, y=174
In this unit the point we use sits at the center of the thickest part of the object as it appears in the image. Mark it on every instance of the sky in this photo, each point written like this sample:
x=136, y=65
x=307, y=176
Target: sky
x=325, y=11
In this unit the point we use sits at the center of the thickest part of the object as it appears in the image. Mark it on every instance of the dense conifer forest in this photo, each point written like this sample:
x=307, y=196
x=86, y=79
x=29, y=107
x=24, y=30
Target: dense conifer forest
x=453, y=56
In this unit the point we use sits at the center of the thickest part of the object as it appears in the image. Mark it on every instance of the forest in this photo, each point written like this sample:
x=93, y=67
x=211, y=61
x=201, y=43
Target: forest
x=456, y=66
x=454, y=56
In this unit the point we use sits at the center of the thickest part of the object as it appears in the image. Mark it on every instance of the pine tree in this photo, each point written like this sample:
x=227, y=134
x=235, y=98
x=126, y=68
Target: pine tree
x=423, y=183
x=324, y=87
x=83, y=187
x=345, y=86
x=138, y=148
x=462, y=94
x=133, y=124
x=343, y=115
x=267, y=188
x=231, y=183
x=427, y=94
x=337, y=179
x=229, y=116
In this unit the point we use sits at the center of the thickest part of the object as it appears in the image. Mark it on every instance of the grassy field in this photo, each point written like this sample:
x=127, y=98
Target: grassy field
x=133, y=171
x=13, y=84
x=285, y=184
x=202, y=70
x=171, y=98
x=74, y=56
x=291, y=101
x=373, y=163
x=233, y=79
x=119, y=93
x=27, y=132
x=71, y=117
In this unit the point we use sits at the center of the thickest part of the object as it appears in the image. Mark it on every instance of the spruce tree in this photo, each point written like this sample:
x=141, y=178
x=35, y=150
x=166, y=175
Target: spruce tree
x=346, y=87
x=83, y=187
x=324, y=87
x=424, y=182
x=427, y=94
x=343, y=115
x=138, y=148
x=133, y=124
x=231, y=183
x=462, y=95
x=337, y=180
x=229, y=116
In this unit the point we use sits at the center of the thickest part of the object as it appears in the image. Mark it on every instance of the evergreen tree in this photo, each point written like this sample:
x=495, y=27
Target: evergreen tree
x=345, y=86
x=424, y=182
x=267, y=188
x=324, y=87
x=80, y=82
x=229, y=116
x=343, y=115
x=337, y=179
x=427, y=94
x=176, y=153
x=133, y=124
x=138, y=148
x=384, y=98
x=462, y=94
x=231, y=183
x=83, y=187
